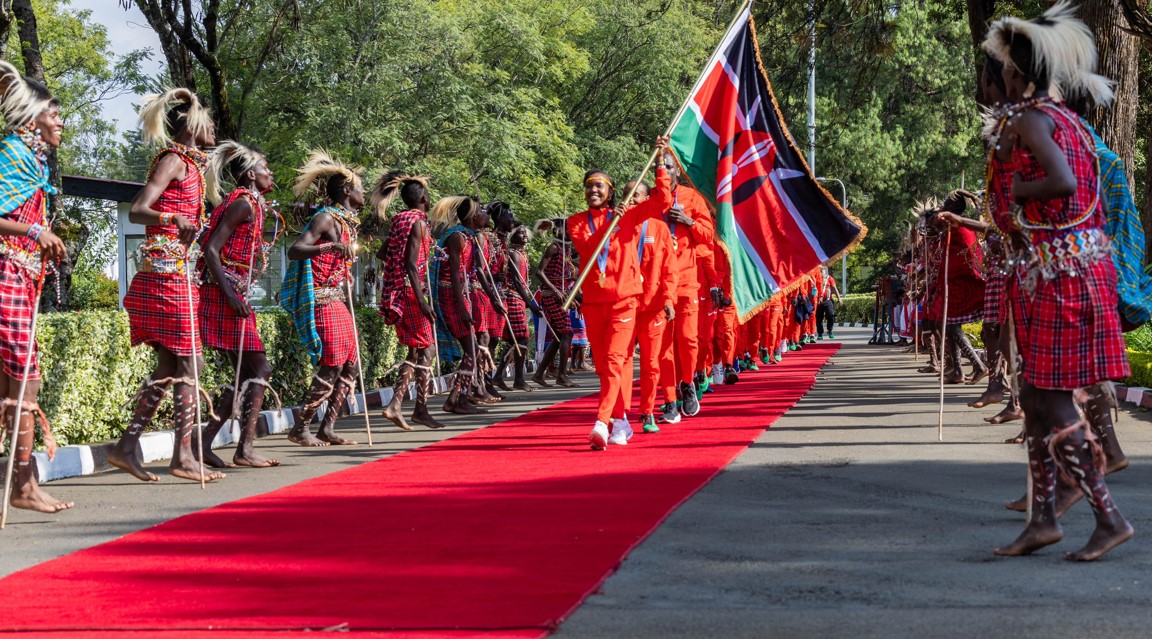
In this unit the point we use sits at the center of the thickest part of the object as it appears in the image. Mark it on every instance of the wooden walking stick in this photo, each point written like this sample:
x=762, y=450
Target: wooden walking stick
x=944, y=334
x=492, y=283
x=195, y=363
x=435, y=344
x=20, y=396
x=256, y=241
x=359, y=361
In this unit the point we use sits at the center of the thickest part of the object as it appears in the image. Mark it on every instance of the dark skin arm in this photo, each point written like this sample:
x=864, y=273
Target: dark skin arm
x=455, y=248
x=51, y=246
x=411, y=253
x=169, y=169
x=239, y=212
x=1035, y=130
x=321, y=237
x=550, y=254
x=514, y=258
x=957, y=220
x=487, y=284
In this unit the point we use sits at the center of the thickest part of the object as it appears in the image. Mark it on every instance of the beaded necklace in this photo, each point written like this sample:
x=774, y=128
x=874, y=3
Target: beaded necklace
x=35, y=141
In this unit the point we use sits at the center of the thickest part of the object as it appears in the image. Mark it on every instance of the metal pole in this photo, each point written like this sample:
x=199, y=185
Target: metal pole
x=843, y=205
x=812, y=86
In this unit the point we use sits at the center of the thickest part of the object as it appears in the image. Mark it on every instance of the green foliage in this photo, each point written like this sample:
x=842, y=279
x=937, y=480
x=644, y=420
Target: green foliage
x=1141, y=364
x=857, y=308
x=91, y=372
x=93, y=290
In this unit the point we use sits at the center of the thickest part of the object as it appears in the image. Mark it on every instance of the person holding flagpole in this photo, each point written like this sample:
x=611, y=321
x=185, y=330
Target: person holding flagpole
x=611, y=291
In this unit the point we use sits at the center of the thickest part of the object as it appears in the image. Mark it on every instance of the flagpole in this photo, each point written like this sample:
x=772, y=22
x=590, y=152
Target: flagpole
x=587, y=268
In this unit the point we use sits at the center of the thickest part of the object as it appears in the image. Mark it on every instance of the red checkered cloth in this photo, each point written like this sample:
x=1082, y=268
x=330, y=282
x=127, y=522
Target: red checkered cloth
x=518, y=315
x=558, y=318
x=337, y=337
x=413, y=329
x=484, y=313
x=449, y=310
x=561, y=273
x=17, y=299
x=965, y=279
x=185, y=198
x=1067, y=327
x=220, y=326
x=994, y=307
x=160, y=313
x=395, y=288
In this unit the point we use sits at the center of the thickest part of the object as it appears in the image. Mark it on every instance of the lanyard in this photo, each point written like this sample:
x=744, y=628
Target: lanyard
x=643, y=234
x=602, y=258
x=671, y=224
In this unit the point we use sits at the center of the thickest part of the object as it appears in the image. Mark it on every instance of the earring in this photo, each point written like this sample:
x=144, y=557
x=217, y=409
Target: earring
x=1030, y=90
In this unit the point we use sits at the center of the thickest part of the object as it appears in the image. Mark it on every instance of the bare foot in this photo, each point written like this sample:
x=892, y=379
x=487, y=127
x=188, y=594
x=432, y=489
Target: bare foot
x=210, y=458
x=1034, y=537
x=462, y=407
x=1018, y=439
x=953, y=379
x=30, y=497
x=252, y=460
x=522, y=386
x=1009, y=414
x=334, y=439
x=304, y=438
x=989, y=398
x=977, y=376
x=1103, y=539
x=424, y=418
x=129, y=464
x=392, y=413
x=1116, y=465
x=538, y=379
x=566, y=383
x=1020, y=505
x=501, y=384
x=929, y=370
x=192, y=469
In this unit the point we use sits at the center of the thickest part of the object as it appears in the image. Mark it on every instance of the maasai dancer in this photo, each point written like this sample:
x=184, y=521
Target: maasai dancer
x=315, y=292
x=233, y=244
x=161, y=302
x=487, y=296
x=32, y=126
x=456, y=279
x=611, y=291
x=825, y=307
x=518, y=299
x=655, y=312
x=964, y=280
x=557, y=275
x=690, y=222
x=1064, y=298
x=404, y=300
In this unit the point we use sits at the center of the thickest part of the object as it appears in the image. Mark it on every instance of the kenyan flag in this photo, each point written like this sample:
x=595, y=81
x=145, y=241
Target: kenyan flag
x=775, y=221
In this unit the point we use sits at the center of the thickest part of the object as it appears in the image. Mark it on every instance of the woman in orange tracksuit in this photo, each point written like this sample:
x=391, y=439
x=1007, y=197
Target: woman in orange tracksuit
x=611, y=291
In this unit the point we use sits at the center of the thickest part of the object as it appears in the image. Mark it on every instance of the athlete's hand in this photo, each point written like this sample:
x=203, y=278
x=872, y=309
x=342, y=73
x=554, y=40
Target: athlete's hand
x=185, y=229
x=677, y=215
x=240, y=306
x=717, y=298
x=51, y=246
x=669, y=313
x=661, y=147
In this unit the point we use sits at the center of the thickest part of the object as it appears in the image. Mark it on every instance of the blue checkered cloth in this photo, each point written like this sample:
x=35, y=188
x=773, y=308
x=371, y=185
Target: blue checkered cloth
x=298, y=298
x=21, y=174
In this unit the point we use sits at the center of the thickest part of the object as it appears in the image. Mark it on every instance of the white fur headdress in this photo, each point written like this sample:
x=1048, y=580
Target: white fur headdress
x=154, y=115
x=318, y=169
x=388, y=188
x=443, y=215
x=20, y=100
x=225, y=155
x=1062, y=46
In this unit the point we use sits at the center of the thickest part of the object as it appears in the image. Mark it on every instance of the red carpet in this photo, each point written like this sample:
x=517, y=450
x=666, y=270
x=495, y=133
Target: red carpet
x=502, y=530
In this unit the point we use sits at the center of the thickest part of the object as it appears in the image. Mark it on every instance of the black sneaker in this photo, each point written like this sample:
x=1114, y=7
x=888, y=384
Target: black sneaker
x=730, y=376
x=689, y=406
x=670, y=413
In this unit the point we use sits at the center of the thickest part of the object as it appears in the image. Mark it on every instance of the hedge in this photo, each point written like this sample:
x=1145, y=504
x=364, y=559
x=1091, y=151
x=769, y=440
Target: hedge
x=91, y=371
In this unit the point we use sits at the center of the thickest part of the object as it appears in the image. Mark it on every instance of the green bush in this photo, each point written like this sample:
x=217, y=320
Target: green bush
x=93, y=290
x=857, y=307
x=91, y=371
x=1141, y=363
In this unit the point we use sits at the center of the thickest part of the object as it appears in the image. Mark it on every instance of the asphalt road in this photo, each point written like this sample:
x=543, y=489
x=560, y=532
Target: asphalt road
x=849, y=519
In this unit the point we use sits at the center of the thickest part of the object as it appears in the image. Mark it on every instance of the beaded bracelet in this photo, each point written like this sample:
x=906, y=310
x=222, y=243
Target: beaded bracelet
x=166, y=219
x=34, y=231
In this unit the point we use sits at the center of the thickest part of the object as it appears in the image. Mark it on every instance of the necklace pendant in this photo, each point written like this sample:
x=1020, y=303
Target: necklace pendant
x=601, y=279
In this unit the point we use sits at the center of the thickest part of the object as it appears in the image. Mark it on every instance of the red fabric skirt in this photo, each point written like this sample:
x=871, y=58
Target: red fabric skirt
x=518, y=317
x=994, y=307
x=485, y=315
x=1068, y=330
x=17, y=299
x=453, y=318
x=413, y=330
x=337, y=337
x=160, y=313
x=554, y=312
x=220, y=326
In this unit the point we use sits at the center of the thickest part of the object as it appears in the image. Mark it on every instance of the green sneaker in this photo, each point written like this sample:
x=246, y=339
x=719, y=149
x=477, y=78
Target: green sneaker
x=820, y=336
x=702, y=387
x=649, y=422
x=792, y=347
x=749, y=364
x=830, y=335
x=779, y=358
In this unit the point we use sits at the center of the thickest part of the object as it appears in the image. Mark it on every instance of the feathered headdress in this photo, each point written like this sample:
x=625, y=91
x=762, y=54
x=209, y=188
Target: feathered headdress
x=924, y=207
x=21, y=99
x=1062, y=46
x=312, y=178
x=230, y=158
x=173, y=108
x=388, y=188
x=443, y=215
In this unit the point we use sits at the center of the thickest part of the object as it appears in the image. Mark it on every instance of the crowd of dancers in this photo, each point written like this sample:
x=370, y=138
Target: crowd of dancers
x=455, y=281
x=1051, y=258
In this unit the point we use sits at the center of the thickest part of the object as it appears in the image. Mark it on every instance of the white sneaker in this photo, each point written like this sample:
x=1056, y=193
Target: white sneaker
x=717, y=374
x=622, y=426
x=599, y=436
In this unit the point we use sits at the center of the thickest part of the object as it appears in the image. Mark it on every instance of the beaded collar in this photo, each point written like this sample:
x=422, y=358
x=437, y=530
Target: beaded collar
x=33, y=139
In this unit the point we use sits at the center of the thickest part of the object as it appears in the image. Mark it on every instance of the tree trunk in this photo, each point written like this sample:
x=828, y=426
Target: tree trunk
x=26, y=28
x=1119, y=53
x=980, y=13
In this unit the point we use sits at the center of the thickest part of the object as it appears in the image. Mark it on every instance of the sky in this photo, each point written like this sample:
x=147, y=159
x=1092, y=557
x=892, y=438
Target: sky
x=127, y=31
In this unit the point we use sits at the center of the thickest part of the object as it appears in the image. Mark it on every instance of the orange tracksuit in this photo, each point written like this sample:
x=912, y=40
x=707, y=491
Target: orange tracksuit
x=685, y=333
x=774, y=325
x=817, y=285
x=612, y=290
x=709, y=278
x=659, y=290
x=724, y=330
